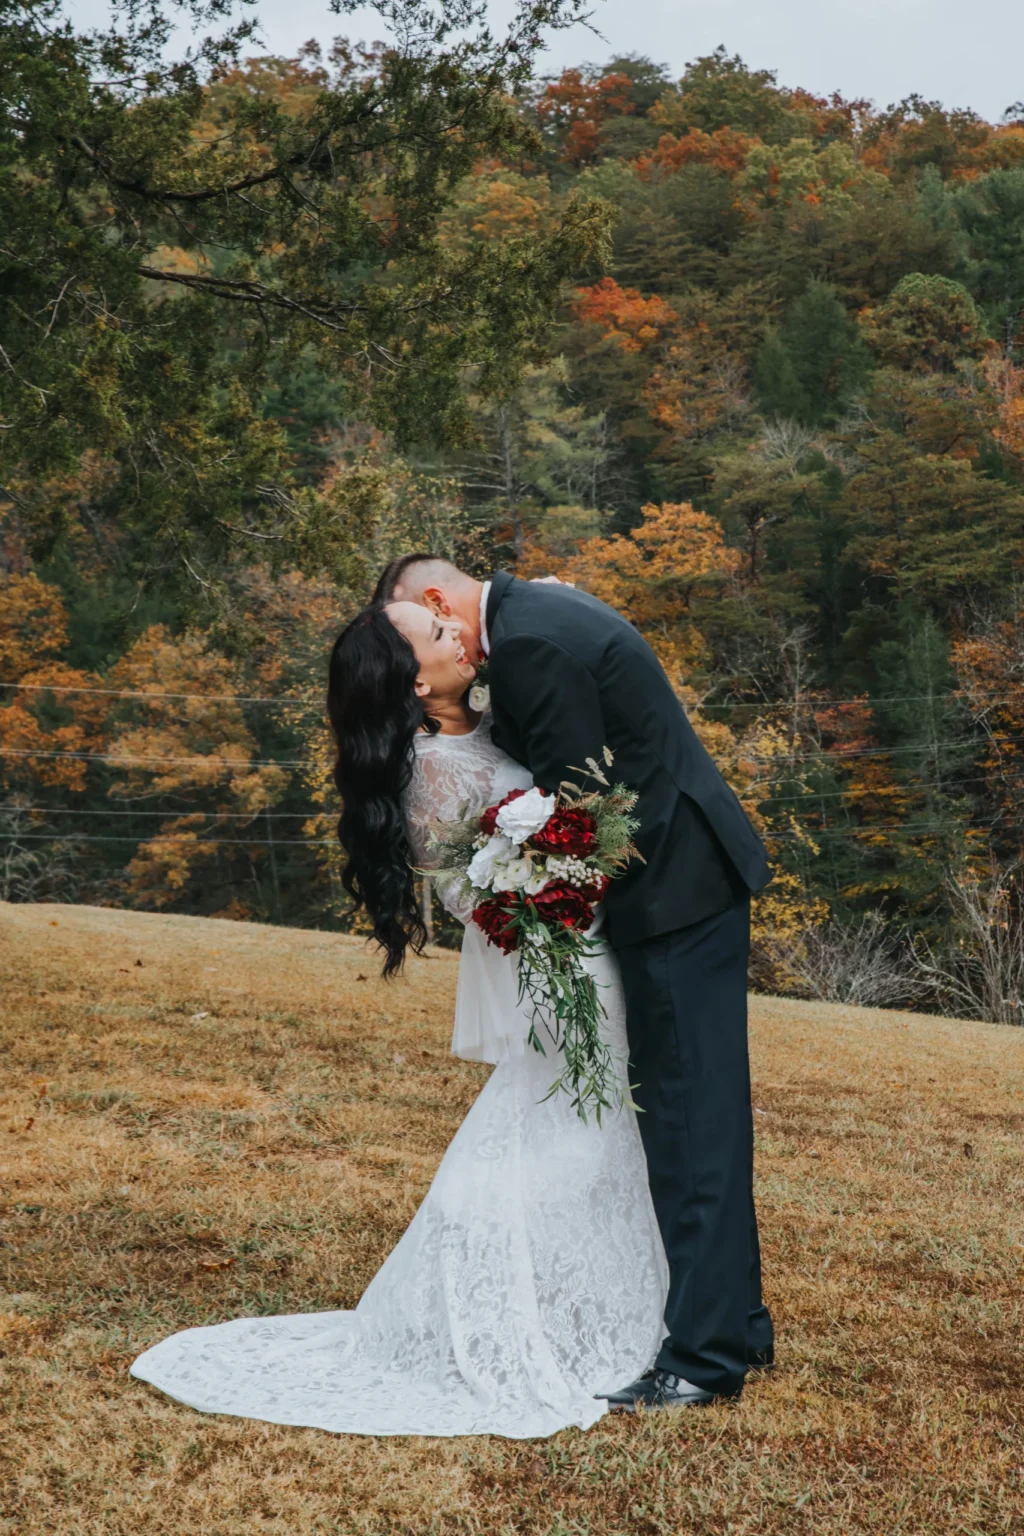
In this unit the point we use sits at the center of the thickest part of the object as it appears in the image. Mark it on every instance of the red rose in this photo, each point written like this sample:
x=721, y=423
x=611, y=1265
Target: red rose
x=567, y=832
x=560, y=903
x=489, y=819
x=492, y=917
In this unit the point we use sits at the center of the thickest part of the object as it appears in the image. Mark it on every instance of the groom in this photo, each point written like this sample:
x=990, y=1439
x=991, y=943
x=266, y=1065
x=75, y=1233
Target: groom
x=567, y=677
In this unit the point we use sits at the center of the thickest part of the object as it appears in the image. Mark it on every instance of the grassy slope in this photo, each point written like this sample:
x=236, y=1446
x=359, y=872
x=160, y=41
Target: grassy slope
x=247, y=1120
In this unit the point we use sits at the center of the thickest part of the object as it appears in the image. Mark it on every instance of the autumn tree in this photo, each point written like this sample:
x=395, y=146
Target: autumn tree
x=575, y=107
x=181, y=746
x=51, y=720
x=176, y=242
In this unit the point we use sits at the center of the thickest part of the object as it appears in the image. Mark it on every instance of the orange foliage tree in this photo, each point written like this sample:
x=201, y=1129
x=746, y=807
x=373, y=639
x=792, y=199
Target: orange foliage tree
x=46, y=712
x=725, y=150
x=990, y=668
x=657, y=575
x=577, y=104
x=697, y=386
x=624, y=315
x=33, y=625
x=196, y=748
x=1007, y=383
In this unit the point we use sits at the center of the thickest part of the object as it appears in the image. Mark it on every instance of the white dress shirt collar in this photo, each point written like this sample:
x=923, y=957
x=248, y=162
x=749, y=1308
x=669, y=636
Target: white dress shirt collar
x=485, y=643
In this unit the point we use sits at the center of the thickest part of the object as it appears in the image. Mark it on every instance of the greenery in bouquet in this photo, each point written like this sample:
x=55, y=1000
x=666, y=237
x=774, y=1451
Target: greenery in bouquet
x=535, y=866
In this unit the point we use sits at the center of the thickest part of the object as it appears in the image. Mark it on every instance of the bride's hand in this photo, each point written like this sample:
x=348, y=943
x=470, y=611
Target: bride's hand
x=556, y=579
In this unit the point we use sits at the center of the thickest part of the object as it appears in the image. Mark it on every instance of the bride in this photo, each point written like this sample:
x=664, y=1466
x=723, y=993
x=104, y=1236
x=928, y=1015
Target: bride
x=532, y=1279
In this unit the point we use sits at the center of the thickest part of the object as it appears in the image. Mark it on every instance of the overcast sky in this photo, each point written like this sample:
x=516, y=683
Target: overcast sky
x=966, y=55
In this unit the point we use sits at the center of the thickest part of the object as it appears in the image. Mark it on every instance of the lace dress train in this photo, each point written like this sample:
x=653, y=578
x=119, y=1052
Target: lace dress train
x=531, y=1279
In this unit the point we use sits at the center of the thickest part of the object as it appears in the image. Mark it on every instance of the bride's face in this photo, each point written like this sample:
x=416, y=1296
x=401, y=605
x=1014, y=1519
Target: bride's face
x=445, y=670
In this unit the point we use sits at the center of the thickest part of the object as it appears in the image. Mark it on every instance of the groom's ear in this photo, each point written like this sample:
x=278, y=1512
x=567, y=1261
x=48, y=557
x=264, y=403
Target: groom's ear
x=436, y=600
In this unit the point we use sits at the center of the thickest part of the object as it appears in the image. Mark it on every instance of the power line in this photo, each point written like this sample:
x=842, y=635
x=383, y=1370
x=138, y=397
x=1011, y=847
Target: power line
x=797, y=798
x=812, y=833
x=149, y=693
x=196, y=842
x=289, y=699
x=75, y=810
x=908, y=829
x=242, y=765
x=840, y=755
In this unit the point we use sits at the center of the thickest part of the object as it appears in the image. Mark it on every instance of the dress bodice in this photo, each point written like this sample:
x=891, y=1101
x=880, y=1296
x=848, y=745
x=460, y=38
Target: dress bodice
x=456, y=777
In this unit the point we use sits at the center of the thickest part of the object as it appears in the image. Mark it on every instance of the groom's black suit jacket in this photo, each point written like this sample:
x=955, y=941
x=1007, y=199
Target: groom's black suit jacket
x=569, y=676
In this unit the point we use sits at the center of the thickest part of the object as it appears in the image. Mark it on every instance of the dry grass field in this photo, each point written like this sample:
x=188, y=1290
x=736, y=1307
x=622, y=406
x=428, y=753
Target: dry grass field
x=200, y=1119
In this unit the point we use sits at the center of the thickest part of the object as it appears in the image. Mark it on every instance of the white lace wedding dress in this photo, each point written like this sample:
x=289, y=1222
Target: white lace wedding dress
x=533, y=1276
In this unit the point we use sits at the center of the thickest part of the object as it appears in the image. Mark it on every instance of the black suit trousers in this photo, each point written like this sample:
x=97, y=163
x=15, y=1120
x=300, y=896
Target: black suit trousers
x=686, y=1018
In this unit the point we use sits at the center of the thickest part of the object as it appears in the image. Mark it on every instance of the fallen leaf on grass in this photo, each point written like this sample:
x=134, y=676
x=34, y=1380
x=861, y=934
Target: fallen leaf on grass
x=195, y=1017
x=968, y=1149
x=211, y=1264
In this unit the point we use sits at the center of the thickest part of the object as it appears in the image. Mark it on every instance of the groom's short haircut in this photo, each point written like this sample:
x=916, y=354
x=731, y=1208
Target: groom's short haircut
x=406, y=578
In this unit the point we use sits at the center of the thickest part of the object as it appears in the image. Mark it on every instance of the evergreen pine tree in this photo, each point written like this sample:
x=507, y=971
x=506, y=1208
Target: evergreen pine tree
x=779, y=392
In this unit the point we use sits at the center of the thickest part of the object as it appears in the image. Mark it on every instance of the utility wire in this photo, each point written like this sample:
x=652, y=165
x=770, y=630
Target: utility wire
x=288, y=699
x=244, y=765
x=850, y=829
x=196, y=842
x=147, y=693
x=75, y=810
x=798, y=798
x=789, y=801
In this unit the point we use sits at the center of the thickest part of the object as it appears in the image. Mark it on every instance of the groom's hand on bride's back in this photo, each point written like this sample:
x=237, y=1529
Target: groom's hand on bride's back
x=557, y=580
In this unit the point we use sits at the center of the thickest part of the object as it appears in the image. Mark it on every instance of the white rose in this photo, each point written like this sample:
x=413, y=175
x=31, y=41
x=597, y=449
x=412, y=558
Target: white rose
x=521, y=818
x=513, y=875
x=480, y=698
x=496, y=851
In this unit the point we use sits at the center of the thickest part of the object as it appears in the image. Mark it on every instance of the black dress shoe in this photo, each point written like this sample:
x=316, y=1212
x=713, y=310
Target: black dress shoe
x=661, y=1389
x=761, y=1359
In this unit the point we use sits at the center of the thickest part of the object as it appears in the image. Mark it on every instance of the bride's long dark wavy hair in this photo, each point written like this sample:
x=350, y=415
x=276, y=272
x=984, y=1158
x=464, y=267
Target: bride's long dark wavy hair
x=375, y=714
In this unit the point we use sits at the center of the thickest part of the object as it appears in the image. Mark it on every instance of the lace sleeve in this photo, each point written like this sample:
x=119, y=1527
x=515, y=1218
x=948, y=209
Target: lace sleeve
x=440, y=792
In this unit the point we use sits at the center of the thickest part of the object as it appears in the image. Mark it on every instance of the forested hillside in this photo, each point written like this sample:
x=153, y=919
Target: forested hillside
x=744, y=361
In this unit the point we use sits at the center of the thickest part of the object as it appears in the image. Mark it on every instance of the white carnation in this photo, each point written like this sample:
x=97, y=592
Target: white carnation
x=496, y=851
x=523, y=817
x=480, y=698
x=539, y=878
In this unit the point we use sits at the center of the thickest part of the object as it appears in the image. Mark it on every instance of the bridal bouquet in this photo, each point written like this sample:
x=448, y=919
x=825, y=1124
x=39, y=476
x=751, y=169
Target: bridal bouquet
x=536, y=865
